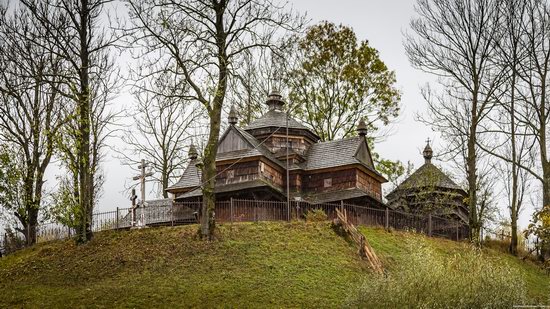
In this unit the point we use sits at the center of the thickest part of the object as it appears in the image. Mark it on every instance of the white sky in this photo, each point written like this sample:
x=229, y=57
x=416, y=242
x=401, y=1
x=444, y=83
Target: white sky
x=382, y=23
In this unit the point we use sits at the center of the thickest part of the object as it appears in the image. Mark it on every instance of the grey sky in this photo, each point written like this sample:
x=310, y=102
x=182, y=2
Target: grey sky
x=382, y=23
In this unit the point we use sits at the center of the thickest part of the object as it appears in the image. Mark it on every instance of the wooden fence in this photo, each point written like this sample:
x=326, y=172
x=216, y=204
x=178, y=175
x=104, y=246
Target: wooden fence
x=237, y=210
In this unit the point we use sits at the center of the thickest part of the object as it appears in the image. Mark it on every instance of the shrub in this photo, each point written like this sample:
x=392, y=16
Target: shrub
x=316, y=215
x=427, y=280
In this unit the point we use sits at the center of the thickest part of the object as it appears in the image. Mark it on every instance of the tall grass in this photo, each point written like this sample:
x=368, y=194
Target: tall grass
x=468, y=279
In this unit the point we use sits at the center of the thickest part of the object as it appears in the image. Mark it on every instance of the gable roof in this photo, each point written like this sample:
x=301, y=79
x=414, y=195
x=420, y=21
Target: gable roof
x=339, y=153
x=256, y=149
x=428, y=175
x=275, y=118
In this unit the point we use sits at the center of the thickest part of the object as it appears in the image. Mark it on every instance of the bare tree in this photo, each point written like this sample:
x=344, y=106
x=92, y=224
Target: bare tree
x=510, y=53
x=77, y=31
x=30, y=107
x=258, y=73
x=508, y=139
x=523, y=55
x=200, y=42
x=162, y=130
x=534, y=74
x=102, y=120
x=453, y=39
x=248, y=90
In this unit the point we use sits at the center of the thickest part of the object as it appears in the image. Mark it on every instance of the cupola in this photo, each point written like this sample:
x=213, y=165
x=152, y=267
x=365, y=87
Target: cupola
x=362, y=128
x=193, y=152
x=428, y=152
x=275, y=101
x=232, y=117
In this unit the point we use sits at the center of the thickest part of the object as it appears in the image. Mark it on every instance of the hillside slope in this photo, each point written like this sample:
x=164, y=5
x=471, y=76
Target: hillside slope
x=251, y=265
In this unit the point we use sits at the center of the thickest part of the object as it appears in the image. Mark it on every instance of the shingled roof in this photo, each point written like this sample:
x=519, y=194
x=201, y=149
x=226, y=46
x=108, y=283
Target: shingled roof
x=337, y=153
x=221, y=188
x=428, y=175
x=190, y=178
x=335, y=196
x=275, y=118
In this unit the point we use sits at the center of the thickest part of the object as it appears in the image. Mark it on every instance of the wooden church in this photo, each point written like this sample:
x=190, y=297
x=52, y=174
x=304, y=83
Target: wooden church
x=252, y=164
x=430, y=190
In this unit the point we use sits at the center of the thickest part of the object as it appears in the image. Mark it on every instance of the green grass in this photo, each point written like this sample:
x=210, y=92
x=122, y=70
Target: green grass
x=264, y=264
x=250, y=265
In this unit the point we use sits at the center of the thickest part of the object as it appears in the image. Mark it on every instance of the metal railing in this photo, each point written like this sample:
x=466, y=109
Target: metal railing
x=239, y=210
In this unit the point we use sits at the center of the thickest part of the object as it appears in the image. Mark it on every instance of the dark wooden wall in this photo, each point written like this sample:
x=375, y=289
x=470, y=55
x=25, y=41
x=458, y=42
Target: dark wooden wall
x=341, y=179
x=272, y=174
x=231, y=142
x=276, y=143
x=242, y=171
x=369, y=184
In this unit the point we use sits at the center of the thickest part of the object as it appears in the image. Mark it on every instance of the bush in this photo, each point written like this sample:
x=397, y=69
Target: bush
x=426, y=280
x=316, y=215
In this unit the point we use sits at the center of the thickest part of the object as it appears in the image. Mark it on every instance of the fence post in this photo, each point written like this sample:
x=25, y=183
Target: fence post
x=387, y=219
x=231, y=209
x=255, y=206
x=172, y=213
x=117, y=218
x=430, y=225
x=287, y=209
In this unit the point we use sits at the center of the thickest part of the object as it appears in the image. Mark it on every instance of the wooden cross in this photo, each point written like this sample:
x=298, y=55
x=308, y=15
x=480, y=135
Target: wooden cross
x=142, y=180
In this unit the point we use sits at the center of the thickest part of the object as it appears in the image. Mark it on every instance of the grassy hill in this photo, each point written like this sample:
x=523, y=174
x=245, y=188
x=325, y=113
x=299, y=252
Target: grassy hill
x=251, y=265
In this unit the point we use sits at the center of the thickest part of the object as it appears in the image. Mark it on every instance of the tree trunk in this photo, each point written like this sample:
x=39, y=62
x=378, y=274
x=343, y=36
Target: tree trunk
x=545, y=163
x=32, y=228
x=164, y=177
x=472, y=176
x=545, y=246
x=515, y=203
x=26, y=219
x=208, y=224
x=86, y=194
x=514, y=239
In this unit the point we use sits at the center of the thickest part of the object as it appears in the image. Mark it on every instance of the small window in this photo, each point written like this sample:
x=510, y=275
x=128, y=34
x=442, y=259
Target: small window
x=328, y=182
x=231, y=174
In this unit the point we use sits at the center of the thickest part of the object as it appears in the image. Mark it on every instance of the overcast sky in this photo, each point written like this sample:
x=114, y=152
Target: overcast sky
x=382, y=22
